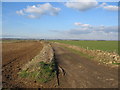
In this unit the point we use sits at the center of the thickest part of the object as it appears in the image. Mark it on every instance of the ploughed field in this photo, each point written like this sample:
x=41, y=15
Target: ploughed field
x=14, y=56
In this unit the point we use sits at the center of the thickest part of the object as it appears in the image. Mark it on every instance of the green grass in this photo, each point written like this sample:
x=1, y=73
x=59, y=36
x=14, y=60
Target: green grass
x=45, y=74
x=116, y=63
x=109, y=46
x=24, y=74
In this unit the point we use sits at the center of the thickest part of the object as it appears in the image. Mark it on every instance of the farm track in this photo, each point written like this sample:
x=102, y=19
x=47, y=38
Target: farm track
x=83, y=73
x=14, y=56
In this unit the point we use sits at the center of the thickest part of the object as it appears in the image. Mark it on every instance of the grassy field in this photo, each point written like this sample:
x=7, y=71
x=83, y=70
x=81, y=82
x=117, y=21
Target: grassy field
x=110, y=46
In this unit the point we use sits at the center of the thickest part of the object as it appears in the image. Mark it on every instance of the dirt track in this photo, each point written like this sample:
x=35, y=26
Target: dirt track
x=14, y=56
x=83, y=73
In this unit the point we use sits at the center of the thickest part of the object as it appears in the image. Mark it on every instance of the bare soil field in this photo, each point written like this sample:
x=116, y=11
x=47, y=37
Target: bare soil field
x=14, y=56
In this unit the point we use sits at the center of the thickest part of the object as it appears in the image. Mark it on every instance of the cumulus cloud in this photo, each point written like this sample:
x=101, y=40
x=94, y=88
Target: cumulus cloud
x=85, y=5
x=82, y=5
x=109, y=7
x=39, y=10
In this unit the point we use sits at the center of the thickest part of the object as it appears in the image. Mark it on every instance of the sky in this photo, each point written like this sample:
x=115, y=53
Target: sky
x=60, y=20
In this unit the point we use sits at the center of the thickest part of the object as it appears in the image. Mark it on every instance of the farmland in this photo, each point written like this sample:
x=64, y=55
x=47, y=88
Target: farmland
x=14, y=56
x=110, y=46
x=22, y=66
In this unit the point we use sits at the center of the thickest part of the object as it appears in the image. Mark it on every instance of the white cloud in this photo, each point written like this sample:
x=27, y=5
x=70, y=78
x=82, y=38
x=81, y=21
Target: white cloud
x=109, y=7
x=103, y=4
x=82, y=5
x=80, y=24
x=33, y=16
x=20, y=12
x=85, y=5
x=39, y=10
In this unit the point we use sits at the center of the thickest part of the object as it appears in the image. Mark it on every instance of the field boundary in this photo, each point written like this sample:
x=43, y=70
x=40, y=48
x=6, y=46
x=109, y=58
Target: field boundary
x=103, y=57
x=43, y=63
x=45, y=55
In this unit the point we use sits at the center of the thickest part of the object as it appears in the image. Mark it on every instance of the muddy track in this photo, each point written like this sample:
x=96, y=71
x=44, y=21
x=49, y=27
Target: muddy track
x=14, y=56
x=83, y=73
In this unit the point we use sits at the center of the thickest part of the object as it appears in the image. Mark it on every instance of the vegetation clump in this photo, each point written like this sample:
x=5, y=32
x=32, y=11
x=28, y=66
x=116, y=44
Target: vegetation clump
x=23, y=74
x=44, y=73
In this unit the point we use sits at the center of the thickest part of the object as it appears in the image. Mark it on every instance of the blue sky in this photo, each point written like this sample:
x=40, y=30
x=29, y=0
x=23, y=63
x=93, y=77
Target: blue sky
x=58, y=20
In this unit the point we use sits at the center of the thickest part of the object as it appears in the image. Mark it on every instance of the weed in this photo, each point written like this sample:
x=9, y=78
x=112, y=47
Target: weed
x=46, y=73
x=116, y=63
x=23, y=74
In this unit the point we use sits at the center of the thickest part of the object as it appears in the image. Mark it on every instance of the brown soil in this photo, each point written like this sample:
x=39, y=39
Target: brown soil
x=79, y=71
x=83, y=73
x=14, y=56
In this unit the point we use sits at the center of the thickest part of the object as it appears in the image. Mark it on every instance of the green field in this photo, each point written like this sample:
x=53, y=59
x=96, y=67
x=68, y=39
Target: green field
x=109, y=46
